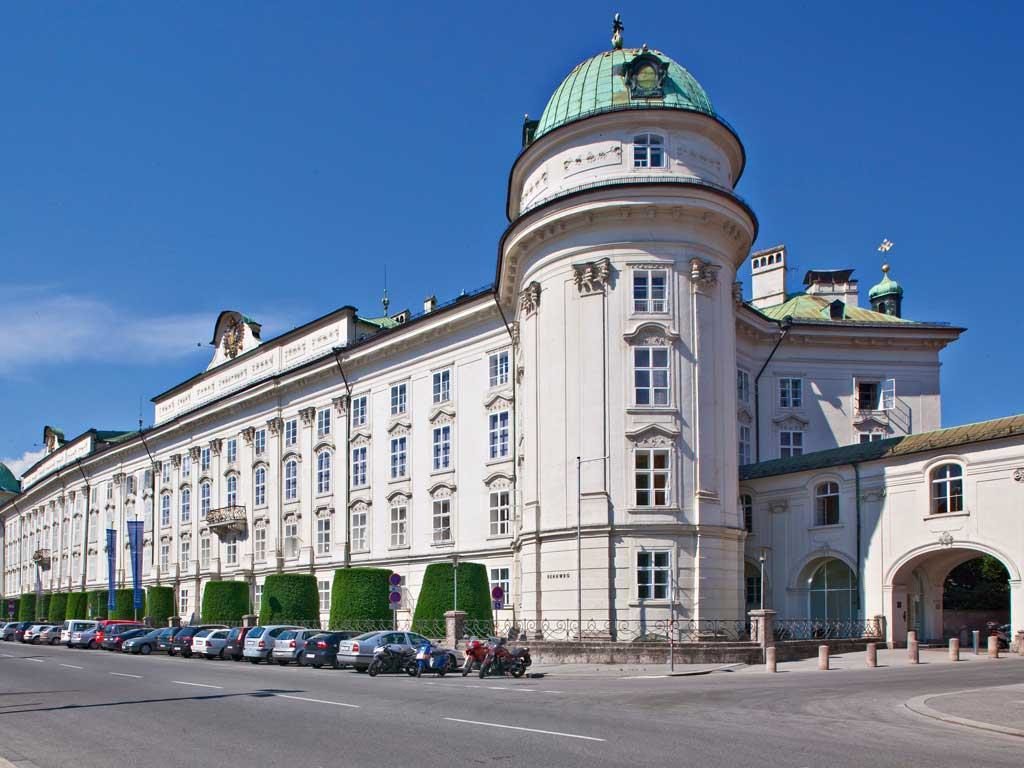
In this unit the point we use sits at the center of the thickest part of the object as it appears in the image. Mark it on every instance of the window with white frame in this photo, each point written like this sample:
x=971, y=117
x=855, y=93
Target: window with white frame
x=165, y=510
x=826, y=504
x=165, y=471
x=186, y=468
x=165, y=558
x=744, y=444
x=204, y=500
x=791, y=443
x=204, y=459
x=442, y=517
x=291, y=480
x=259, y=441
x=650, y=290
x=323, y=535
x=186, y=552
x=359, y=524
x=399, y=399
x=232, y=490
x=324, y=589
x=257, y=597
x=291, y=432
x=442, y=385
x=231, y=552
x=260, y=544
x=183, y=602
x=650, y=376
x=870, y=437
x=498, y=435
x=204, y=552
x=359, y=411
x=399, y=523
x=791, y=393
x=442, y=447
x=497, y=367
x=323, y=422
x=648, y=151
x=259, y=486
x=359, y=466
x=742, y=386
x=291, y=538
x=232, y=450
x=747, y=511
x=947, y=481
x=652, y=575
x=398, y=457
x=501, y=514
x=651, y=477
x=500, y=577
x=323, y=472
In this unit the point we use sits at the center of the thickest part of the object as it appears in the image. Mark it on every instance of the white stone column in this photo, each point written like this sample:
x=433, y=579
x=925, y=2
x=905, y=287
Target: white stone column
x=275, y=489
x=307, y=487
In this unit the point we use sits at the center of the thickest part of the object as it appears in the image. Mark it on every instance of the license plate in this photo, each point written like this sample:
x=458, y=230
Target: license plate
x=310, y=655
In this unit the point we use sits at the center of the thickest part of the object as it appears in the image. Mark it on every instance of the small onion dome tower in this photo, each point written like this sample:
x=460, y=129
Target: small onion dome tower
x=887, y=296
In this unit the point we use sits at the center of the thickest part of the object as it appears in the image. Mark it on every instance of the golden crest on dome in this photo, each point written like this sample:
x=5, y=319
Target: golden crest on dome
x=234, y=335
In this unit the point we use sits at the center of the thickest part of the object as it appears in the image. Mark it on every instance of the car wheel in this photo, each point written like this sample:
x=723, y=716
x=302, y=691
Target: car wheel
x=145, y=650
x=282, y=662
x=316, y=665
x=360, y=669
x=93, y=645
x=254, y=659
x=220, y=654
x=170, y=651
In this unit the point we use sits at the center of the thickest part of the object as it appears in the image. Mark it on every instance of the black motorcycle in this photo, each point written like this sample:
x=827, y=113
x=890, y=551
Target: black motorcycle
x=392, y=658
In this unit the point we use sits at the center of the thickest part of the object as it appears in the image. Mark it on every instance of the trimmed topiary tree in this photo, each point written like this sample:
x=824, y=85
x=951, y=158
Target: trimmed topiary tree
x=290, y=598
x=97, y=599
x=78, y=607
x=124, y=605
x=159, y=605
x=359, y=599
x=27, y=607
x=225, y=602
x=43, y=607
x=58, y=607
x=437, y=595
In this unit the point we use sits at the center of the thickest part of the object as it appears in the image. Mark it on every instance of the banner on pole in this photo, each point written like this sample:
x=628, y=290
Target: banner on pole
x=135, y=545
x=111, y=569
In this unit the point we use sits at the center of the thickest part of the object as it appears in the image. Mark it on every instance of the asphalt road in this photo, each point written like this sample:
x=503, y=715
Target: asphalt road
x=93, y=708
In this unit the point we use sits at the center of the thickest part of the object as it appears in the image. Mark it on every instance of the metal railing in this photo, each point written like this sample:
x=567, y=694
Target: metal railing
x=825, y=629
x=227, y=518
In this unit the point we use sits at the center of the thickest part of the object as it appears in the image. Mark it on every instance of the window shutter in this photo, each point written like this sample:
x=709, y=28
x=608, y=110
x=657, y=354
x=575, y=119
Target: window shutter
x=887, y=395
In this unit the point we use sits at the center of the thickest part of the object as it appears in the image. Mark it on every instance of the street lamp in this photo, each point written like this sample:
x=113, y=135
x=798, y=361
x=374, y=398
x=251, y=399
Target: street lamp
x=579, y=548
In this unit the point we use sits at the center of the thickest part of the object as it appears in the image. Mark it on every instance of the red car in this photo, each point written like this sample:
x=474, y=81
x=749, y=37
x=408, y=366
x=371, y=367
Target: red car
x=113, y=626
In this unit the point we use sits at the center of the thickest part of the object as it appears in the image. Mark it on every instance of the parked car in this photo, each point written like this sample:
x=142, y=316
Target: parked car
x=50, y=635
x=290, y=645
x=7, y=630
x=234, y=647
x=85, y=638
x=113, y=641
x=210, y=643
x=358, y=652
x=182, y=642
x=259, y=642
x=322, y=650
x=75, y=626
x=165, y=638
x=32, y=633
x=21, y=629
x=144, y=644
x=112, y=627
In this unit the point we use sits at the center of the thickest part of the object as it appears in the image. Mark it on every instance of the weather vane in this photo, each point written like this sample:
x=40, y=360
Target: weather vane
x=617, y=32
x=884, y=247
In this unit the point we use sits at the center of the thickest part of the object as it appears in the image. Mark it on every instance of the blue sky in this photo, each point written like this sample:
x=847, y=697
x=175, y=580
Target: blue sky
x=160, y=164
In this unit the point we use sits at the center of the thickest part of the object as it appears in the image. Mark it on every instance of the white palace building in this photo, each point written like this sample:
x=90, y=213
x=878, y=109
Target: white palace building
x=709, y=430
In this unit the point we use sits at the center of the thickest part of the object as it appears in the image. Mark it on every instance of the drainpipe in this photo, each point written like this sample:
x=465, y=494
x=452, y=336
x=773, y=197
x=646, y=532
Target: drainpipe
x=856, y=476
x=347, y=561
x=513, y=372
x=787, y=323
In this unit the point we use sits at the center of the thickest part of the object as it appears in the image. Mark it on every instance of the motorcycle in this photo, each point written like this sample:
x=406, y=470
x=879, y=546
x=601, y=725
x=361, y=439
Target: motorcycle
x=476, y=652
x=391, y=658
x=501, y=661
x=430, y=658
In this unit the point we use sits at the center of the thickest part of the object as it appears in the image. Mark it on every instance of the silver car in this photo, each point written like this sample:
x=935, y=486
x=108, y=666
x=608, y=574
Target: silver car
x=210, y=643
x=7, y=631
x=32, y=633
x=50, y=635
x=358, y=652
x=71, y=626
x=291, y=644
x=259, y=642
x=85, y=638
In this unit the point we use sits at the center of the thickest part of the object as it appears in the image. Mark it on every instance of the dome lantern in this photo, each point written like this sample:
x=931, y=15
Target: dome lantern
x=887, y=296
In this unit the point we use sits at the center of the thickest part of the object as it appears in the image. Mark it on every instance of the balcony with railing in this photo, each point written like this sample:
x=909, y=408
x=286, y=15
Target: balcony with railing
x=227, y=520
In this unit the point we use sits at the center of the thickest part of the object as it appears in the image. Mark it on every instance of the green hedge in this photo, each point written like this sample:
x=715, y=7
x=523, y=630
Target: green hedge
x=97, y=599
x=225, y=602
x=58, y=607
x=27, y=607
x=77, y=606
x=6, y=606
x=437, y=595
x=290, y=598
x=43, y=607
x=160, y=605
x=359, y=597
x=124, y=605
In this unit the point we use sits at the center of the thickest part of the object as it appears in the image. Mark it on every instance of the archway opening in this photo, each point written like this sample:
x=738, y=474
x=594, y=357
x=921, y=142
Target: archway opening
x=975, y=595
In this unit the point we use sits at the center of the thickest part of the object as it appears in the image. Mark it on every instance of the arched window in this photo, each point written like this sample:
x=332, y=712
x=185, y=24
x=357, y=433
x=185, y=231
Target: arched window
x=832, y=591
x=323, y=472
x=232, y=490
x=165, y=509
x=826, y=504
x=648, y=151
x=947, y=489
x=291, y=480
x=186, y=505
x=204, y=500
x=747, y=510
x=259, y=485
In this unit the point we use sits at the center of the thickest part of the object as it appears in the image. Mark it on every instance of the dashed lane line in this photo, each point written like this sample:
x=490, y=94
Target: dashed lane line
x=521, y=728
x=36, y=661
x=125, y=674
x=197, y=685
x=317, y=701
x=71, y=666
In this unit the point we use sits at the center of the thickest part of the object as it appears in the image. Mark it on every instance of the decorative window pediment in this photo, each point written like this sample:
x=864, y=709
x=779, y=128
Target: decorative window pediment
x=401, y=495
x=441, y=491
x=360, y=439
x=498, y=402
x=744, y=416
x=322, y=512
x=653, y=436
x=442, y=415
x=261, y=522
x=498, y=481
x=323, y=445
x=292, y=517
x=291, y=456
x=400, y=428
x=650, y=334
x=363, y=505
x=791, y=422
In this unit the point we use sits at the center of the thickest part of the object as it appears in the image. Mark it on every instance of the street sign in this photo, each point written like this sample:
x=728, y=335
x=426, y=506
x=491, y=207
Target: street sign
x=497, y=593
x=497, y=604
x=394, y=597
x=10, y=608
x=394, y=590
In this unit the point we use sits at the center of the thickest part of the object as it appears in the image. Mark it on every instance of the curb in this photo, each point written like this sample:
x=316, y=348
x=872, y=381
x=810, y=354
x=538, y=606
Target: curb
x=919, y=705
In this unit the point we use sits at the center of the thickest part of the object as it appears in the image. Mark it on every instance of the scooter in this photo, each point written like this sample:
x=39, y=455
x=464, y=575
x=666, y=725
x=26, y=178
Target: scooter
x=391, y=658
x=430, y=658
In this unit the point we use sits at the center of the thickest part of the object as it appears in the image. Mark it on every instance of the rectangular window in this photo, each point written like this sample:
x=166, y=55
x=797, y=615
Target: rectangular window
x=498, y=369
x=791, y=393
x=291, y=432
x=650, y=290
x=259, y=488
x=399, y=522
x=442, y=385
x=232, y=450
x=442, y=521
x=186, y=468
x=442, y=447
x=204, y=500
x=742, y=386
x=867, y=395
x=291, y=480
x=870, y=437
x=165, y=510
x=498, y=435
x=186, y=553
x=323, y=536
x=651, y=470
x=500, y=578
x=324, y=588
x=259, y=441
x=791, y=444
x=359, y=526
x=650, y=376
x=747, y=512
x=204, y=459
x=323, y=422
x=232, y=552
x=648, y=151
x=260, y=544
x=204, y=552
x=257, y=597
x=744, y=440
x=398, y=457
x=399, y=403
x=165, y=558
x=501, y=514
x=323, y=472
x=130, y=485
x=652, y=575
x=887, y=395
x=359, y=411
x=183, y=602
x=165, y=471
x=359, y=466
x=291, y=539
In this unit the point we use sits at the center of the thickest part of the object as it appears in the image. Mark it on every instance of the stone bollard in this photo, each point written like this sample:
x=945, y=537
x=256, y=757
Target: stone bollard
x=871, y=654
x=823, y=657
x=911, y=637
x=976, y=639
x=769, y=659
x=993, y=647
x=1020, y=643
x=915, y=656
x=954, y=649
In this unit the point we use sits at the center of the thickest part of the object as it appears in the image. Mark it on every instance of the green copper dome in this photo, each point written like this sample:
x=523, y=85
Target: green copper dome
x=887, y=287
x=620, y=79
x=8, y=482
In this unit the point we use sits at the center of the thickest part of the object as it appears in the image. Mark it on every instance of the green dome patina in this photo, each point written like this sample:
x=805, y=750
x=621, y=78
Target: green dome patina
x=887, y=287
x=599, y=85
x=8, y=482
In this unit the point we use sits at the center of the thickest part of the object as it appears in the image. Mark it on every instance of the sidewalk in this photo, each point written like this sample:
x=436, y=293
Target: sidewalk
x=627, y=671
x=999, y=709
x=897, y=657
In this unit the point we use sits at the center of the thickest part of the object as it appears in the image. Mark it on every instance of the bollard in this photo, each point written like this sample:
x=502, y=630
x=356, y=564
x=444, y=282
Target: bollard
x=976, y=639
x=769, y=659
x=911, y=638
x=915, y=657
x=954, y=649
x=993, y=647
x=823, y=657
x=1020, y=643
x=871, y=654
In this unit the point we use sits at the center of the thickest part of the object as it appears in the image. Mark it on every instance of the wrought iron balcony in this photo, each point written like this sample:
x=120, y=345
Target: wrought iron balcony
x=225, y=520
x=41, y=557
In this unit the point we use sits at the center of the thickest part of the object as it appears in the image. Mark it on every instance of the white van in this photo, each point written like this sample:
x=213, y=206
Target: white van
x=74, y=625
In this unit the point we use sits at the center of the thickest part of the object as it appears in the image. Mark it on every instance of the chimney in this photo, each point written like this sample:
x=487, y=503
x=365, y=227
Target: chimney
x=768, y=281
x=429, y=304
x=832, y=284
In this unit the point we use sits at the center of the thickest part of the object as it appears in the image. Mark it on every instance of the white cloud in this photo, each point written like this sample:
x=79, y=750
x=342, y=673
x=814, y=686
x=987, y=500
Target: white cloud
x=23, y=462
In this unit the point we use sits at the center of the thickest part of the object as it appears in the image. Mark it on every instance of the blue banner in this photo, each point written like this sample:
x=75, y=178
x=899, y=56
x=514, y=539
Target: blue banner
x=111, y=569
x=135, y=545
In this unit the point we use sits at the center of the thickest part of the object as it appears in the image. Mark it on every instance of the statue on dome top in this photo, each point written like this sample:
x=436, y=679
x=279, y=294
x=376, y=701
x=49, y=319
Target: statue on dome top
x=617, y=28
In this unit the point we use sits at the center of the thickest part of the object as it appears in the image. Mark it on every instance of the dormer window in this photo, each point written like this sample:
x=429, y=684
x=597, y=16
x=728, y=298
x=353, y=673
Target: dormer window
x=947, y=489
x=648, y=151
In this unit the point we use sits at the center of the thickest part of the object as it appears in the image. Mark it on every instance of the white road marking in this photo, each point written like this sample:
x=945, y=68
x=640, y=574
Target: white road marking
x=7, y=655
x=125, y=674
x=550, y=691
x=197, y=685
x=520, y=728
x=316, y=701
x=643, y=677
x=70, y=666
x=37, y=661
